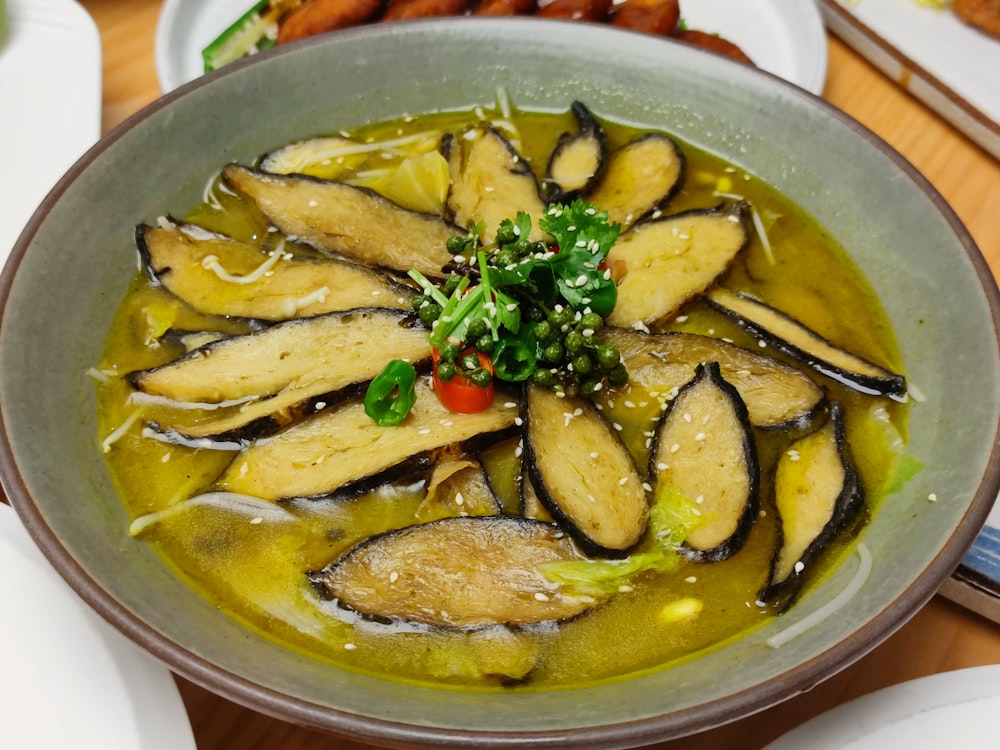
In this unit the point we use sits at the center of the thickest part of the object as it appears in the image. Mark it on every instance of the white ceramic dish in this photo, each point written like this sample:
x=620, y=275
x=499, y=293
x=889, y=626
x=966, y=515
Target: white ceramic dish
x=49, y=132
x=948, y=65
x=954, y=709
x=784, y=37
x=61, y=660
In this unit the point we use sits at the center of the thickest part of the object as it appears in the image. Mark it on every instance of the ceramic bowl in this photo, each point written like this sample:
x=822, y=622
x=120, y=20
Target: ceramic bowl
x=76, y=257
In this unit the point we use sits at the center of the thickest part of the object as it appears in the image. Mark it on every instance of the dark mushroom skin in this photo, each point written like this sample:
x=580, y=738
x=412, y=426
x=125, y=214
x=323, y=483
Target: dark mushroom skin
x=777, y=396
x=663, y=264
x=354, y=222
x=467, y=573
x=703, y=448
x=639, y=179
x=819, y=497
x=578, y=160
x=218, y=275
x=490, y=182
x=788, y=335
x=582, y=472
x=341, y=451
x=273, y=376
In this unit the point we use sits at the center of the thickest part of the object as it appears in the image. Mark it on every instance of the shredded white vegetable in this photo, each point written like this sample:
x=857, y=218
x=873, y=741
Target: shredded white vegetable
x=140, y=398
x=118, y=433
x=230, y=501
x=815, y=618
x=211, y=263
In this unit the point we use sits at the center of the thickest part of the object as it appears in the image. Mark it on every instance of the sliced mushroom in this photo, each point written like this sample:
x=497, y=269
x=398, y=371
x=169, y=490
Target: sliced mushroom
x=582, y=471
x=639, y=179
x=341, y=451
x=490, y=182
x=776, y=395
x=818, y=496
x=578, y=160
x=456, y=573
x=351, y=221
x=662, y=265
x=704, y=449
x=218, y=275
x=790, y=336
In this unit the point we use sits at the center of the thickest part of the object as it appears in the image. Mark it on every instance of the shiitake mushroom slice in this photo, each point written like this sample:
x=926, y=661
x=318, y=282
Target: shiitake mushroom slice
x=582, y=472
x=577, y=161
x=640, y=178
x=354, y=222
x=474, y=572
x=777, y=396
x=218, y=275
x=703, y=448
x=490, y=182
x=340, y=451
x=267, y=378
x=788, y=335
x=661, y=265
x=819, y=496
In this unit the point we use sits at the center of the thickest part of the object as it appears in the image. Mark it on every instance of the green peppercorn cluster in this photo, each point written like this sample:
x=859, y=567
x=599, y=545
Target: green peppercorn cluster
x=571, y=357
x=567, y=355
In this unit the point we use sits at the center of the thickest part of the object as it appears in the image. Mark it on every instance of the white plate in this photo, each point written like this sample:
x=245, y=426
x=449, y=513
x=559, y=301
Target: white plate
x=784, y=37
x=956, y=709
x=949, y=66
x=68, y=679
x=51, y=46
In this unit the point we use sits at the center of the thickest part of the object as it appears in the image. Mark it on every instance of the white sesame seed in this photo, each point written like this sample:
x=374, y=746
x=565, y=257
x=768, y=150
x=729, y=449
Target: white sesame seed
x=393, y=577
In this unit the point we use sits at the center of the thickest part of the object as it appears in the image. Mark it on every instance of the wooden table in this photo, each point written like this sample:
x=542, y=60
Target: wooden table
x=939, y=638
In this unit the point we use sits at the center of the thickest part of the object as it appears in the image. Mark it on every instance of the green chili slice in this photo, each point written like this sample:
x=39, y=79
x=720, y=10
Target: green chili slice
x=391, y=395
x=513, y=360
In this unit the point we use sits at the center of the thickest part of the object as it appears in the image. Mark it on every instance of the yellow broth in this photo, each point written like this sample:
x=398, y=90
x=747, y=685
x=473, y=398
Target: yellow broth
x=252, y=564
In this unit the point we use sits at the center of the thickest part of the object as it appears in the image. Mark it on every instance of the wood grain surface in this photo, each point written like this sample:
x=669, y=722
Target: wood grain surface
x=941, y=637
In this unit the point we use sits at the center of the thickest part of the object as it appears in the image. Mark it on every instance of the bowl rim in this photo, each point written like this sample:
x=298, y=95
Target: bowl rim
x=673, y=724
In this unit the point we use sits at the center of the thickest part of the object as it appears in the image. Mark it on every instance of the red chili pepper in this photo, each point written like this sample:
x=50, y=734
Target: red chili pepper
x=460, y=394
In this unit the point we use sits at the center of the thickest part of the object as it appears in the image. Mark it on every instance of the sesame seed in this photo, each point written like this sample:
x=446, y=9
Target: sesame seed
x=799, y=566
x=932, y=497
x=675, y=447
x=623, y=481
x=700, y=436
x=349, y=647
x=542, y=597
x=393, y=577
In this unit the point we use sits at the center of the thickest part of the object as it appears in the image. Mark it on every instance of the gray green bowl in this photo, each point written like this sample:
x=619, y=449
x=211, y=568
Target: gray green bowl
x=76, y=257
